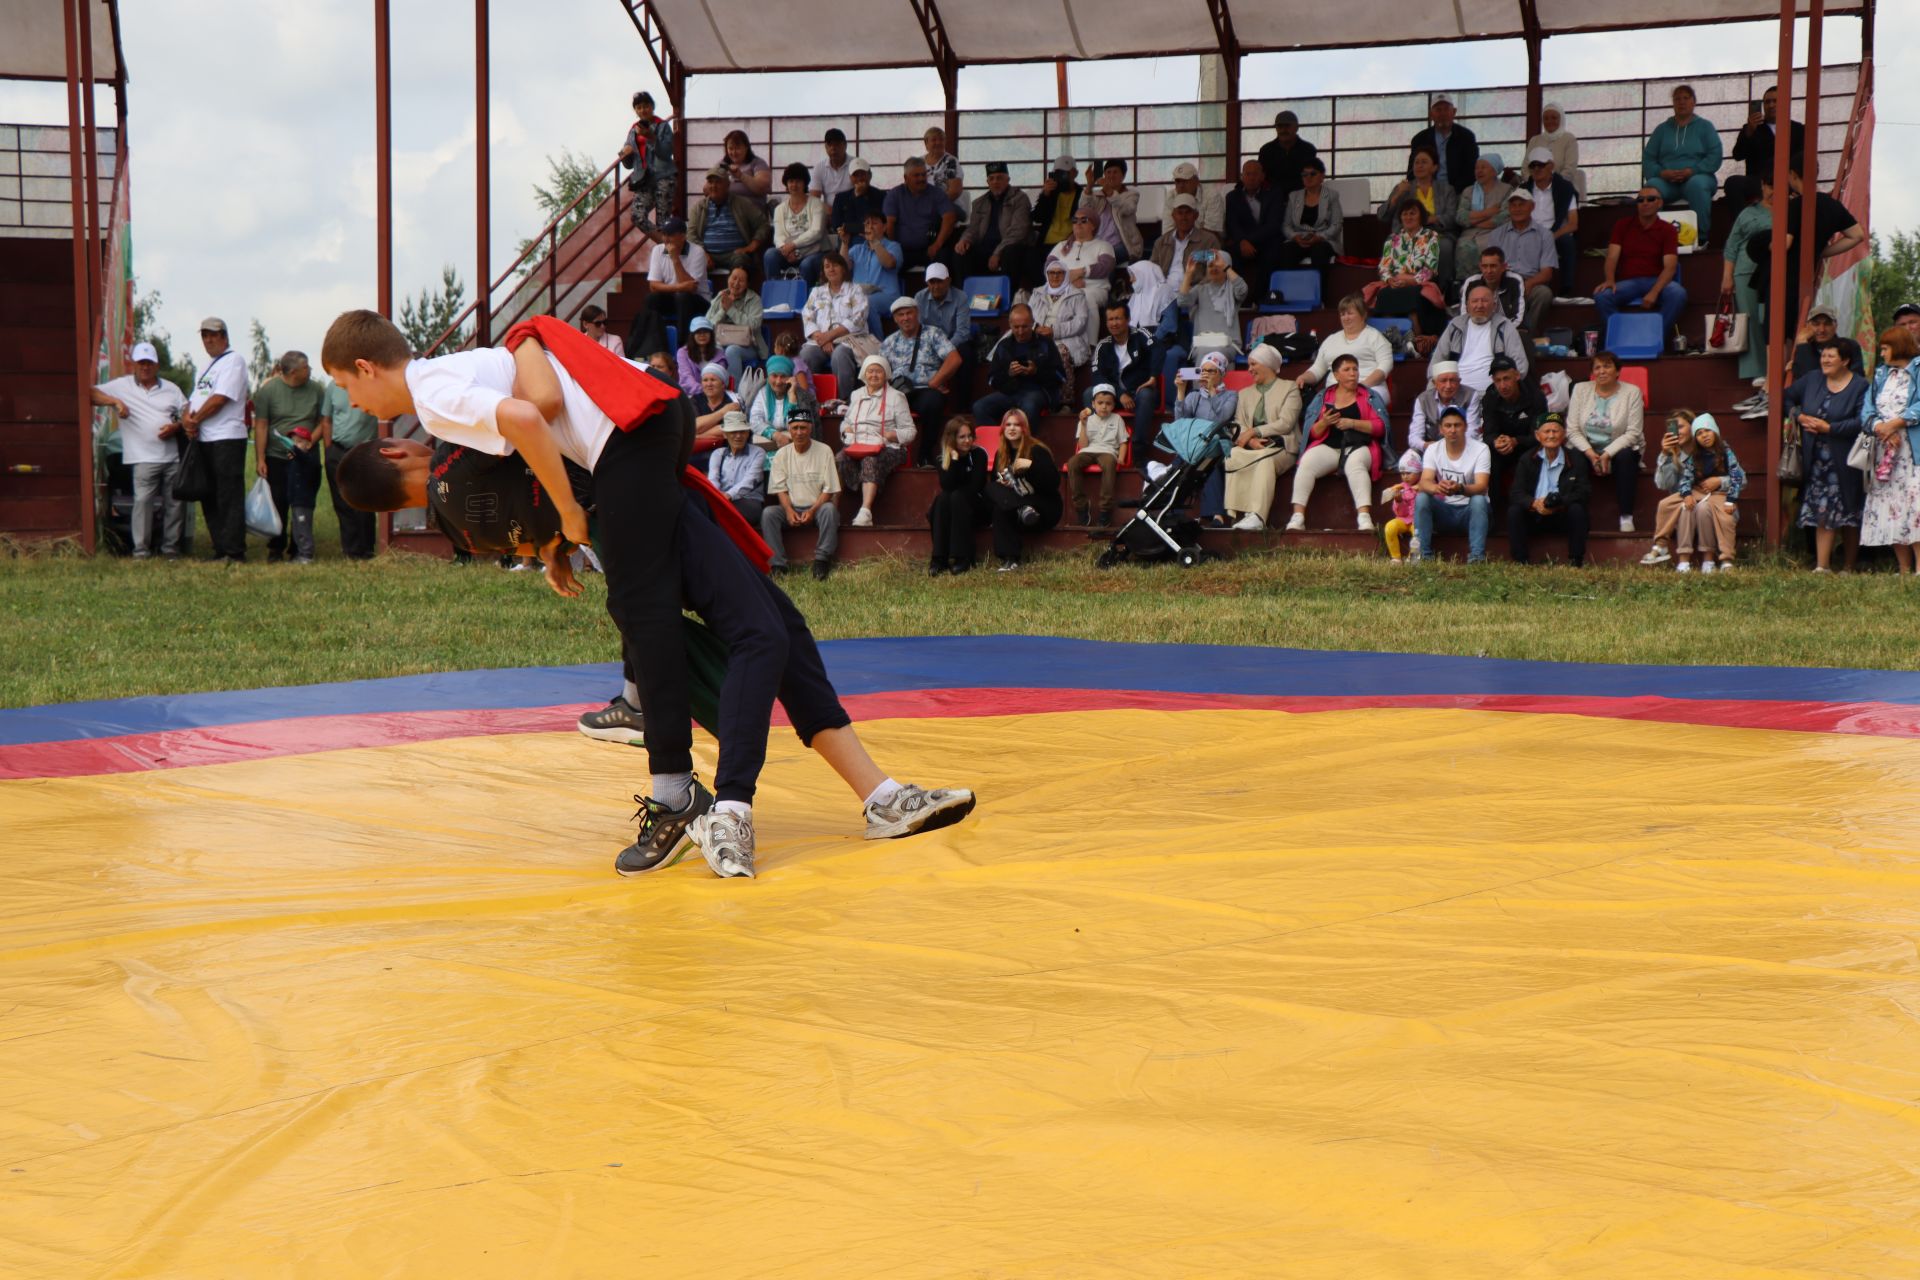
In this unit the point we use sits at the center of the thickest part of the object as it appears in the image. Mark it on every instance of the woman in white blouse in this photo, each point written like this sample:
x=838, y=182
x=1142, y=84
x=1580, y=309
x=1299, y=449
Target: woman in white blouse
x=1356, y=338
x=836, y=310
x=799, y=229
x=874, y=436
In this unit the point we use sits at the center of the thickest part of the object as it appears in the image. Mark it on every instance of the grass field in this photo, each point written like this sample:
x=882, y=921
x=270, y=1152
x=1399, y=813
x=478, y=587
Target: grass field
x=78, y=628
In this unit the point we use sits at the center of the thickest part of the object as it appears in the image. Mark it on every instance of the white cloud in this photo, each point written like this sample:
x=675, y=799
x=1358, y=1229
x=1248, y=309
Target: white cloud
x=255, y=198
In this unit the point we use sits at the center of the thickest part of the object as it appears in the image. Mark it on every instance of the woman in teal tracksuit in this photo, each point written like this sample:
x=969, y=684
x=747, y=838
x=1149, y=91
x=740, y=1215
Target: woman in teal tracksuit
x=1682, y=159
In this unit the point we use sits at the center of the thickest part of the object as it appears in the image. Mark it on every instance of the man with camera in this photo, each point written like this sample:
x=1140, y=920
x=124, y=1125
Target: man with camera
x=1182, y=238
x=1551, y=486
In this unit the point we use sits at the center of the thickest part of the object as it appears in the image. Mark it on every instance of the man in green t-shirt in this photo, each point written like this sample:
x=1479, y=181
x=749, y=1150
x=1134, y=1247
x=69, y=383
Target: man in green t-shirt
x=287, y=411
x=341, y=428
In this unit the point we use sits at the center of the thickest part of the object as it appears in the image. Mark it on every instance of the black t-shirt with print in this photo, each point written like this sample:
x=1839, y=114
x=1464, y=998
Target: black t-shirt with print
x=487, y=504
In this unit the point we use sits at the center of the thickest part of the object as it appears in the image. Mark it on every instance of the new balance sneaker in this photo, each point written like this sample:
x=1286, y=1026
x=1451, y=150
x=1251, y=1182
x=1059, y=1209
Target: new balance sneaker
x=618, y=721
x=663, y=833
x=913, y=809
x=726, y=842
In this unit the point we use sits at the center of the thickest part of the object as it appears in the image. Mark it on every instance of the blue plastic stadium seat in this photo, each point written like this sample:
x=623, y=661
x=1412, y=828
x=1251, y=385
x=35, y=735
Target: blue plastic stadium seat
x=673, y=340
x=1400, y=324
x=1637, y=335
x=1301, y=289
x=793, y=293
x=999, y=286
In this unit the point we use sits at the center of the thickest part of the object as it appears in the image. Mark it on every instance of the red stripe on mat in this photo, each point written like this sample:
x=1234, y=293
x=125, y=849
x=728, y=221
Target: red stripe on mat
x=225, y=744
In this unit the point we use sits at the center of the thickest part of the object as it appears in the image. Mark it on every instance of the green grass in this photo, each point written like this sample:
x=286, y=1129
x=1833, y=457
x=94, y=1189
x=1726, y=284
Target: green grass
x=78, y=628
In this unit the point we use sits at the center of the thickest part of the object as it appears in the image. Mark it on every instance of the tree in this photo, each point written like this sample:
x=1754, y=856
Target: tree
x=147, y=328
x=260, y=363
x=1891, y=275
x=568, y=175
x=425, y=320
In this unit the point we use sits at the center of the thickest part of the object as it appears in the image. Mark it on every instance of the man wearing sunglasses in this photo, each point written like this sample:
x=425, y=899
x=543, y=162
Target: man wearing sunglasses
x=1642, y=261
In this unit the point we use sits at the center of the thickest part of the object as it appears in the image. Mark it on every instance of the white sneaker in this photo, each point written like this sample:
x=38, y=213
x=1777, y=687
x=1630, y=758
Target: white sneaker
x=1685, y=566
x=1250, y=523
x=1707, y=566
x=1364, y=522
x=1658, y=555
x=1726, y=566
x=1626, y=524
x=913, y=809
x=726, y=842
x=1298, y=523
x=863, y=520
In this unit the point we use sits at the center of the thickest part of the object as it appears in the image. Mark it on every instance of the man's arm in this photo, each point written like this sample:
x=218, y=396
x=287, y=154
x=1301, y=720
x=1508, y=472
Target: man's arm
x=945, y=373
x=103, y=400
x=1612, y=269
x=260, y=443
x=1669, y=263
x=520, y=424
x=534, y=379
x=323, y=432
x=946, y=231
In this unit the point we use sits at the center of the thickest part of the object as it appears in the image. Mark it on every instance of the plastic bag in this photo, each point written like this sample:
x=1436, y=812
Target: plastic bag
x=1557, y=387
x=262, y=519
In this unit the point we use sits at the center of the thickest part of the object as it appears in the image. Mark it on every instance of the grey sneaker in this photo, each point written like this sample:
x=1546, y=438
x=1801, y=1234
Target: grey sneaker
x=726, y=842
x=663, y=833
x=913, y=809
x=618, y=721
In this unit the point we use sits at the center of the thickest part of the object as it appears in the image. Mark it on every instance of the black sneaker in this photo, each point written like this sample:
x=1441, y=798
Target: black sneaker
x=821, y=568
x=618, y=721
x=663, y=833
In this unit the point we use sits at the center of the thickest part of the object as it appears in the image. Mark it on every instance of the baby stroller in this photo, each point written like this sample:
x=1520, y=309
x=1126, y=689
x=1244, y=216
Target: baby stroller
x=1162, y=528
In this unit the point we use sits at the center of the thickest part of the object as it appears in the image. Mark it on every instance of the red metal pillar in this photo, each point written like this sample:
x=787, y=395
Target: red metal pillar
x=1536, y=98
x=382, y=161
x=1809, y=252
x=482, y=181
x=1230, y=62
x=1779, y=327
x=90, y=152
x=82, y=303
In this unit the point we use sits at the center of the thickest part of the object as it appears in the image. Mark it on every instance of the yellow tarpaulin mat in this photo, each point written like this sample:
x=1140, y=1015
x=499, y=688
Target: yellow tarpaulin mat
x=1374, y=993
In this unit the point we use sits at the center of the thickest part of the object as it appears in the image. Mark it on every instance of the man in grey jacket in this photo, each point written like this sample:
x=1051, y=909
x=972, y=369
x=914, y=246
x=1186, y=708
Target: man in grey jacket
x=999, y=229
x=1475, y=340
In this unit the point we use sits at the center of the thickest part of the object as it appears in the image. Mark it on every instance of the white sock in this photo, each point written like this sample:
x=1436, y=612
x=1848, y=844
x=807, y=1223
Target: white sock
x=631, y=692
x=673, y=789
x=882, y=793
x=735, y=807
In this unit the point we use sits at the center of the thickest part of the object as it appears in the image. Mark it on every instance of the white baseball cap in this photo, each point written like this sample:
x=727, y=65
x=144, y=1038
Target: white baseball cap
x=1185, y=172
x=938, y=271
x=144, y=351
x=857, y=165
x=1539, y=155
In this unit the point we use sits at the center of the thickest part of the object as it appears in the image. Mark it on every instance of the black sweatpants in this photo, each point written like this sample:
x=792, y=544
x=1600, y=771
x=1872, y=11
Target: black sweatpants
x=955, y=517
x=637, y=504
x=771, y=653
x=225, y=512
x=1570, y=520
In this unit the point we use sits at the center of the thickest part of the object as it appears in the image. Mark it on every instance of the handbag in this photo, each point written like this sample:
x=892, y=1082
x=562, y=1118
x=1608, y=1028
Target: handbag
x=192, y=477
x=1727, y=334
x=733, y=335
x=1791, y=469
x=1860, y=456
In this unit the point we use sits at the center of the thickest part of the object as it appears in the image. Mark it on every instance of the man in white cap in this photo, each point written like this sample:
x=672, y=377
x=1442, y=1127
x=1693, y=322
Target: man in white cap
x=150, y=440
x=1210, y=205
x=1454, y=144
x=850, y=207
x=1531, y=255
x=923, y=356
x=216, y=416
x=1556, y=206
x=1444, y=392
x=1184, y=236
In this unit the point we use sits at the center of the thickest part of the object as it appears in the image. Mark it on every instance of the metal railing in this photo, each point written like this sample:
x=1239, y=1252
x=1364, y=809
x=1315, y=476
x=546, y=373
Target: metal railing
x=36, y=196
x=1358, y=135
x=559, y=272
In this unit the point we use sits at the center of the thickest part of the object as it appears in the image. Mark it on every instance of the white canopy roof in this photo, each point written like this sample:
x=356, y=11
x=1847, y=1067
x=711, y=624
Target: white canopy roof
x=712, y=36
x=35, y=43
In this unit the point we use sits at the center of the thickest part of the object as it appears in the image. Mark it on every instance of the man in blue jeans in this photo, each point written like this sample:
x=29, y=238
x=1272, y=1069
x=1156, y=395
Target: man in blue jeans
x=1642, y=260
x=1455, y=474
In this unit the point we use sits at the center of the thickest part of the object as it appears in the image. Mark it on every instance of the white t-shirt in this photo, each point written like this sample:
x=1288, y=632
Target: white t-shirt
x=829, y=181
x=1475, y=460
x=148, y=410
x=457, y=396
x=1542, y=204
x=660, y=267
x=1476, y=356
x=224, y=376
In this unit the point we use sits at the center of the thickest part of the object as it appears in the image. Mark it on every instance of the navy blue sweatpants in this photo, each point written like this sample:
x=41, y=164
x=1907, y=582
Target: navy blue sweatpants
x=771, y=653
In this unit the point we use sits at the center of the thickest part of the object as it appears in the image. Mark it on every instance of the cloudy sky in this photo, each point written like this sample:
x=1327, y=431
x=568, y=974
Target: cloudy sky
x=252, y=127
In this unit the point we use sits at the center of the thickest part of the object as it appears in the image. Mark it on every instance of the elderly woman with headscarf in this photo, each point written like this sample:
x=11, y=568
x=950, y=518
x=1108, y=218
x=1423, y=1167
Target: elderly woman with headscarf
x=1481, y=211
x=1089, y=260
x=1060, y=313
x=1565, y=147
x=874, y=435
x=1213, y=302
x=710, y=405
x=1267, y=418
x=1210, y=401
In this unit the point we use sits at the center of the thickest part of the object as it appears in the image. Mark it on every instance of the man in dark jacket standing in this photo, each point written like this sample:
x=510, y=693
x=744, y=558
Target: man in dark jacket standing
x=1454, y=143
x=1284, y=154
x=1124, y=361
x=1551, y=486
x=1024, y=373
x=1754, y=148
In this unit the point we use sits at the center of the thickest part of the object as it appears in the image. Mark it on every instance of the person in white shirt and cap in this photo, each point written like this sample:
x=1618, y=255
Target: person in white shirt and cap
x=1445, y=390
x=1211, y=206
x=216, y=416
x=150, y=440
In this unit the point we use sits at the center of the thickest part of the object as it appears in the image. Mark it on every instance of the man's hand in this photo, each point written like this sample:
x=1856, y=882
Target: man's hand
x=1540, y=506
x=560, y=569
x=1606, y=286
x=1247, y=250
x=260, y=464
x=963, y=245
x=993, y=260
x=1503, y=444
x=1651, y=301
x=1690, y=500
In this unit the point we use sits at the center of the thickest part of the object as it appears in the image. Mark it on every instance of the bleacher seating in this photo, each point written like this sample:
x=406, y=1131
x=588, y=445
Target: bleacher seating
x=1635, y=335
x=1299, y=290
x=999, y=286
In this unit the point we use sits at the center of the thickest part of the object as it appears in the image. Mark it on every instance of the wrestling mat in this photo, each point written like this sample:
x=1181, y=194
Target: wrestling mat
x=1250, y=963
